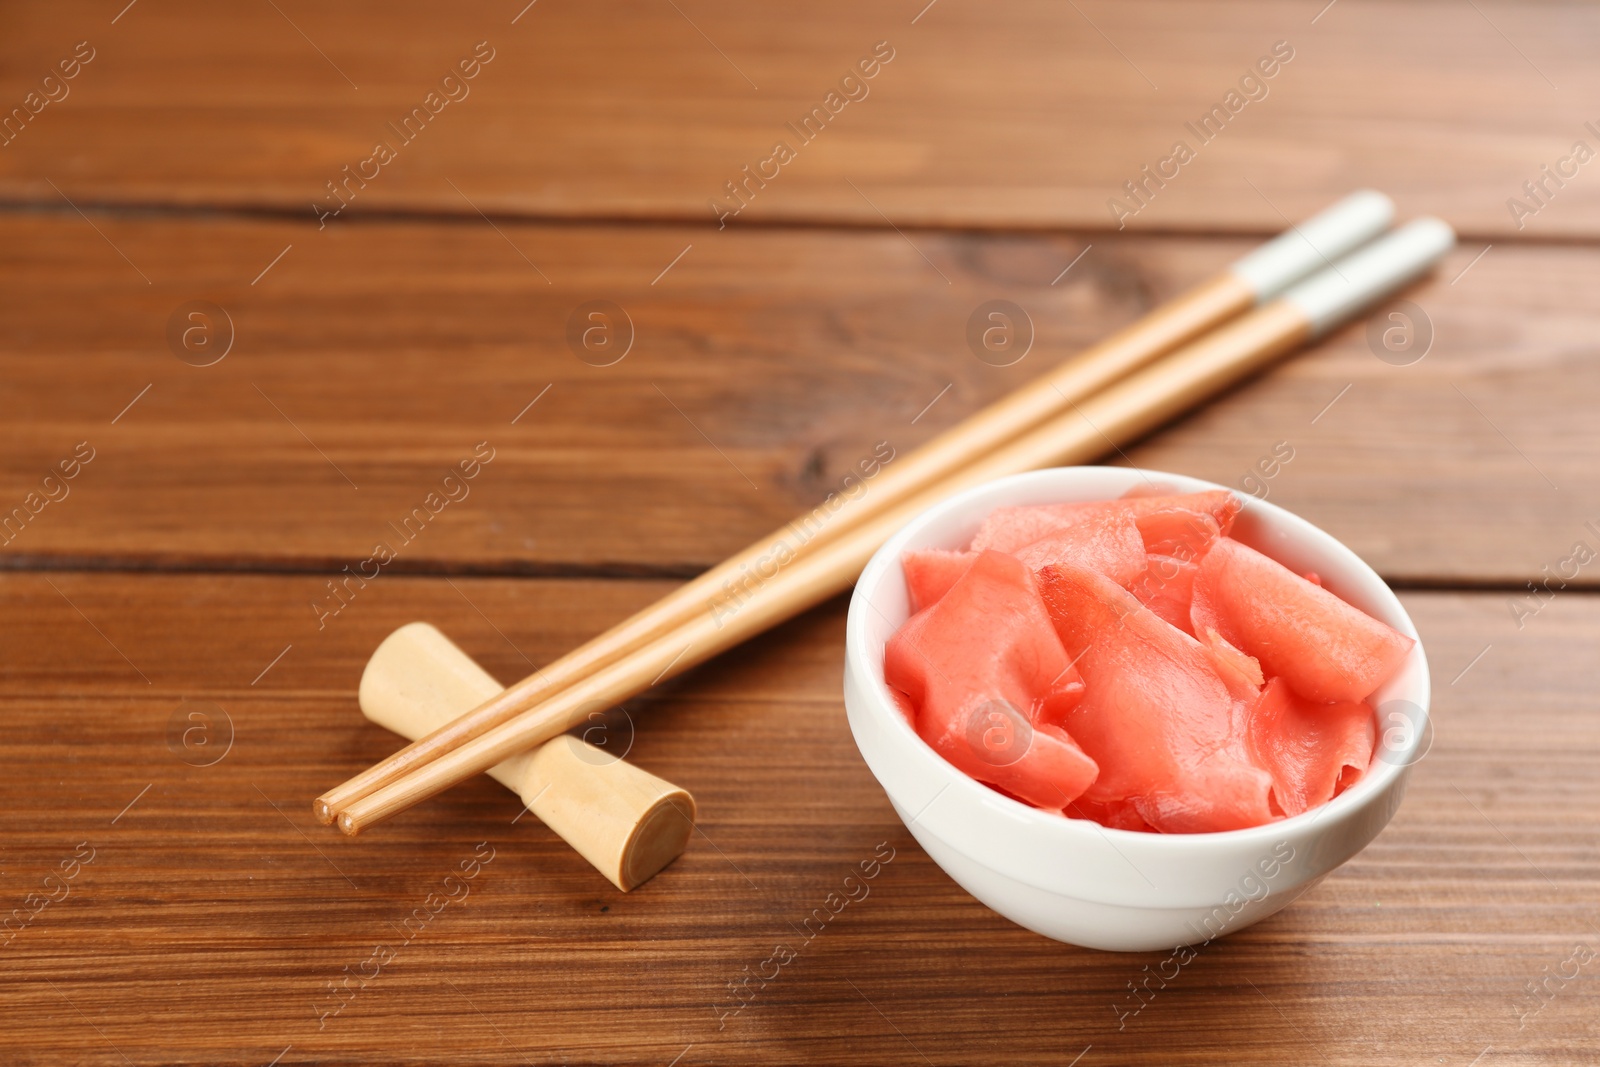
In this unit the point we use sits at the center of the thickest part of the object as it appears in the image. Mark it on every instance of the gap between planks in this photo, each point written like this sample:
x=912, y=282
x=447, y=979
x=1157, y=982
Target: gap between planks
x=225, y=211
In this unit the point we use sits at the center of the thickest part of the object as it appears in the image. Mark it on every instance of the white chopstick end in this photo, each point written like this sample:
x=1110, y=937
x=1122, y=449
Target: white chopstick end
x=1314, y=243
x=1372, y=273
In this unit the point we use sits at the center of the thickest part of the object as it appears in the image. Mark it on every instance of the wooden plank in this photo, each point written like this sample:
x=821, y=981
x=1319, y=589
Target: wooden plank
x=1033, y=116
x=214, y=913
x=370, y=360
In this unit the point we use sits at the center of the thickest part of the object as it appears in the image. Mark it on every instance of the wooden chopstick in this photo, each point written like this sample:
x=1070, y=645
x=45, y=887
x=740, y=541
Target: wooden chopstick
x=1113, y=417
x=1255, y=278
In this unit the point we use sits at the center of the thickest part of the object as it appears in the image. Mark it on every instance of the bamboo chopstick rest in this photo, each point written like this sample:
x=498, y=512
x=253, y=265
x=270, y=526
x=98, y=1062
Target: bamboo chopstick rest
x=626, y=822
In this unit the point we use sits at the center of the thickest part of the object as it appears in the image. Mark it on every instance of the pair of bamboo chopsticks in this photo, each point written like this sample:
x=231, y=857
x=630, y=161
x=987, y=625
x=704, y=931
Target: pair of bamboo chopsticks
x=1292, y=290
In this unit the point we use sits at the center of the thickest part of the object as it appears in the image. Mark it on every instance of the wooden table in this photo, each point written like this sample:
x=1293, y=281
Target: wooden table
x=208, y=916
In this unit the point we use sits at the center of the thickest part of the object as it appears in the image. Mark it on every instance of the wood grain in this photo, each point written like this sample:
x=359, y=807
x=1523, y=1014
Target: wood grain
x=1028, y=115
x=208, y=923
x=766, y=365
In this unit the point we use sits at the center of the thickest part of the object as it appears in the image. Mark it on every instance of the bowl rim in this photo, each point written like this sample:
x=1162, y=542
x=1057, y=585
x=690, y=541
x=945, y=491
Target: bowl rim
x=860, y=658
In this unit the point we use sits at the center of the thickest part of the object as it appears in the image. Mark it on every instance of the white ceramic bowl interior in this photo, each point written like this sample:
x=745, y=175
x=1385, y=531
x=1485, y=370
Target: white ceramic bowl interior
x=1077, y=881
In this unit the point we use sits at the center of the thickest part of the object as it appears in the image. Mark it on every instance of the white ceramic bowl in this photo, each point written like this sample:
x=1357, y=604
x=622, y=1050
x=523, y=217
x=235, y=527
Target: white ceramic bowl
x=1077, y=881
